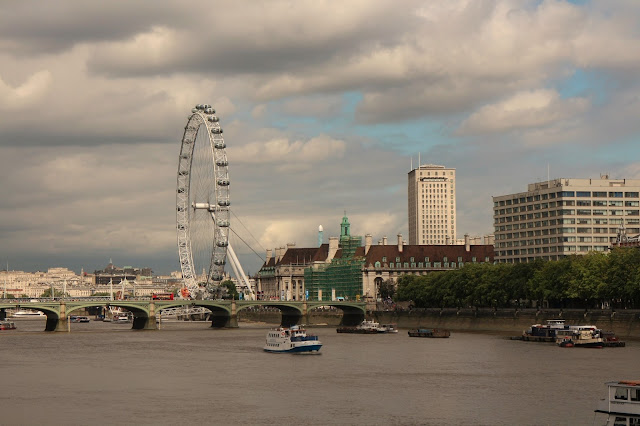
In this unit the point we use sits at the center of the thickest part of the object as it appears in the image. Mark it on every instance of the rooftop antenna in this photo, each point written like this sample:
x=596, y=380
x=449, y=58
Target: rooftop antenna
x=4, y=294
x=548, y=178
x=411, y=163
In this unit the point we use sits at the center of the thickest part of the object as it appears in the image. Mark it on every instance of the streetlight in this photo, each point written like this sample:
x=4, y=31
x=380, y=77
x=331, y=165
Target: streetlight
x=6, y=275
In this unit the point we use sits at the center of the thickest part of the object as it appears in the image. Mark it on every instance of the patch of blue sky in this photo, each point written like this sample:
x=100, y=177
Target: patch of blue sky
x=405, y=137
x=537, y=3
x=579, y=2
x=585, y=83
x=625, y=150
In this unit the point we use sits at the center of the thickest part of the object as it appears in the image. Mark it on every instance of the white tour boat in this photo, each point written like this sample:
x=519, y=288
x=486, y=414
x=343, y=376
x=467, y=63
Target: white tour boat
x=622, y=404
x=28, y=313
x=292, y=339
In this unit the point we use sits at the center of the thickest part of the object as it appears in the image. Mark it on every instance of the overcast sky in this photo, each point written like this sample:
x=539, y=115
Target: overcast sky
x=324, y=105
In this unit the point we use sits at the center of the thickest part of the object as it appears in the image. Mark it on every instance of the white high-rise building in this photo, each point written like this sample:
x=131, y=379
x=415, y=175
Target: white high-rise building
x=432, y=205
x=561, y=217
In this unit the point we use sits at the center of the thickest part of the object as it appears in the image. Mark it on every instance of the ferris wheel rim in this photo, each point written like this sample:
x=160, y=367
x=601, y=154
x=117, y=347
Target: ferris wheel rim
x=202, y=117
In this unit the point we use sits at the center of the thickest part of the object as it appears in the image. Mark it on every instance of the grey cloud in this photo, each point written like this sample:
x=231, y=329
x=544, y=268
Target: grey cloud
x=274, y=37
x=43, y=27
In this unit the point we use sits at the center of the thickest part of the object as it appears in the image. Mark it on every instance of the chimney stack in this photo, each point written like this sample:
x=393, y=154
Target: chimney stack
x=333, y=248
x=268, y=256
x=400, y=243
x=467, y=245
x=384, y=241
x=368, y=241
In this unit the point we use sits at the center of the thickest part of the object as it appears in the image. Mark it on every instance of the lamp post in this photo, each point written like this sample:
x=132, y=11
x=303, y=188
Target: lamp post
x=6, y=276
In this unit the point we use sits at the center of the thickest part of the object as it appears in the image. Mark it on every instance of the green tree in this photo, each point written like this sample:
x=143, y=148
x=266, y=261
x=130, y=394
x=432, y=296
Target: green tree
x=623, y=263
x=231, y=291
x=587, y=276
x=56, y=293
x=387, y=289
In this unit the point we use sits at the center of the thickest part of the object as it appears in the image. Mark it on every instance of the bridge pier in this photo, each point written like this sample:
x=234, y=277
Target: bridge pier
x=305, y=312
x=233, y=319
x=62, y=323
x=146, y=322
x=222, y=319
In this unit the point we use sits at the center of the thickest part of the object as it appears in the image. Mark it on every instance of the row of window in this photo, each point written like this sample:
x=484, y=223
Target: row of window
x=407, y=265
x=567, y=230
x=566, y=203
x=426, y=259
x=551, y=240
x=520, y=218
x=552, y=249
x=547, y=241
x=569, y=221
x=562, y=194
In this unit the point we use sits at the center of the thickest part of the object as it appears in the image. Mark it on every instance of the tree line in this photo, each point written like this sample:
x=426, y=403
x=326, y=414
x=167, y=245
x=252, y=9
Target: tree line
x=593, y=280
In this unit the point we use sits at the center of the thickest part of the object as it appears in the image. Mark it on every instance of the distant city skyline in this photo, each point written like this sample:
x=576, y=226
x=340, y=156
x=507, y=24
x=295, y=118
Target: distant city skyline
x=319, y=115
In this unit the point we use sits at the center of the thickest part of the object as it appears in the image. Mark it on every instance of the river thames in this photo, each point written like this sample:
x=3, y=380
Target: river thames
x=188, y=373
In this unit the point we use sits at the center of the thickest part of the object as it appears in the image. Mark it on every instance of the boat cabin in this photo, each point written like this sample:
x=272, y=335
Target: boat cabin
x=622, y=403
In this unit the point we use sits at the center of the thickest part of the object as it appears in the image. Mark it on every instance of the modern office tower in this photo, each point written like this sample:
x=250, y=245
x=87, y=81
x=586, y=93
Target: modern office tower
x=432, y=205
x=562, y=217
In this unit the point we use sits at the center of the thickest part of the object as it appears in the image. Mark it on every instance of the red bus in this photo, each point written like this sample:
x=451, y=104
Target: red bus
x=162, y=296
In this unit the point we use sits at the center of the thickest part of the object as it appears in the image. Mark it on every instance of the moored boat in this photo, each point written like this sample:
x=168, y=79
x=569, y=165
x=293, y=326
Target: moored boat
x=122, y=319
x=79, y=318
x=581, y=336
x=544, y=332
x=429, y=332
x=387, y=328
x=365, y=327
x=27, y=313
x=562, y=334
x=290, y=340
x=622, y=404
x=7, y=325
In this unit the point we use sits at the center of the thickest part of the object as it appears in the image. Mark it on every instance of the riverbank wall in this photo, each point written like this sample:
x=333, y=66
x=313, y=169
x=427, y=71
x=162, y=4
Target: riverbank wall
x=624, y=323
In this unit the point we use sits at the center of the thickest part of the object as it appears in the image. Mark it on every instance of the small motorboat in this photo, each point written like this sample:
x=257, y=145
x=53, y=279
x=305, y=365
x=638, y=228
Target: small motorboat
x=7, y=325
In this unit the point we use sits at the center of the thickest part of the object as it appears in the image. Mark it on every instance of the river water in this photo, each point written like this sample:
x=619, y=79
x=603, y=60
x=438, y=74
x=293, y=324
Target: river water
x=188, y=373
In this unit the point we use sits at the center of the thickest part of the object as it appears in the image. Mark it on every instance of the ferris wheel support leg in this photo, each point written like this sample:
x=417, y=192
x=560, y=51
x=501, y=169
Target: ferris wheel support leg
x=238, y=269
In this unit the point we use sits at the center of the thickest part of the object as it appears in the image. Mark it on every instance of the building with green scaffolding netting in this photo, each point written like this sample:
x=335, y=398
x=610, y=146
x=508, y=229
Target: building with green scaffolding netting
x=340, y=279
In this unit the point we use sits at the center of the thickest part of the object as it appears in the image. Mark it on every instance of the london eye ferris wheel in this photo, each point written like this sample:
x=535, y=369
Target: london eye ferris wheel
x=202, y=205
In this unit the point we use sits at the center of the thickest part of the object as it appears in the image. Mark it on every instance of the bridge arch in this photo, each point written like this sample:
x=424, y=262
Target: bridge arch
x=292, y=314
x=352, y=313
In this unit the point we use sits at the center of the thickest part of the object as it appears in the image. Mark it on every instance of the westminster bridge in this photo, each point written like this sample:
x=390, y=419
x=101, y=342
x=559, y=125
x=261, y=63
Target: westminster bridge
x=224, y=313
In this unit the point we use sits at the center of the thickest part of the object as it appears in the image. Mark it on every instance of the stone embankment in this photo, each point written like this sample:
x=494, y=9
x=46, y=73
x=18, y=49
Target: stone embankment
x=624, y=323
